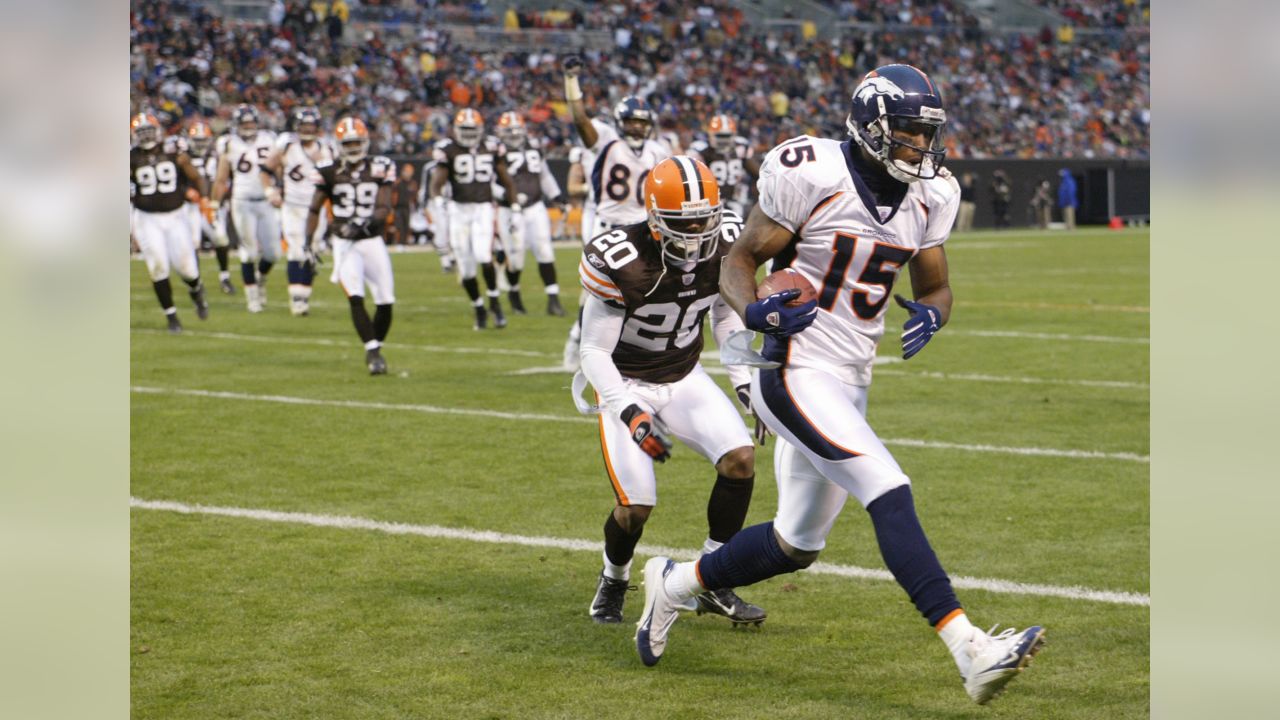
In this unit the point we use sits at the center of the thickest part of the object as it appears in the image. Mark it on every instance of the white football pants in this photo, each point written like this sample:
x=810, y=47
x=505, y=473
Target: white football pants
x=531, y=230
x=471, y=235
x=693, y=409
x=166, y=242
x=357, y=263
x=258, y=226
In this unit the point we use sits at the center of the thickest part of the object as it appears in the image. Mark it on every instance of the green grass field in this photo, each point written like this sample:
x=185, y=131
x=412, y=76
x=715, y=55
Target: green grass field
x=246, y=617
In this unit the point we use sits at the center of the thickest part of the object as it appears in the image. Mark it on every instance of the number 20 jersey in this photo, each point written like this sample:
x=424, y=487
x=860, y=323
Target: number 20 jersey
x=661, y=337
x=850, y=250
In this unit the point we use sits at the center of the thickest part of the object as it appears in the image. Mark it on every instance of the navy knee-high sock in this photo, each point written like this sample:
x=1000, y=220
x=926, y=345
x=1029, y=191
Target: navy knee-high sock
x=909, y=557
x=749, y=557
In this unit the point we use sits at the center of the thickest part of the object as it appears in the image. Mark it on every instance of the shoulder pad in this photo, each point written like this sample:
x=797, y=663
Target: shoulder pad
x=284, y=139
x=381, y=166
x=324, y=164
x=699, y=146
x=173, y=145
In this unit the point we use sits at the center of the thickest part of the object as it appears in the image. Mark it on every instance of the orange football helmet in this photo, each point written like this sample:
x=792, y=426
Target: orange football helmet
x=200, y=137
x=468, y=128
x=144, y=130
x=511, y=130
x=721, y=130
x=683, y=201
x=353, y=139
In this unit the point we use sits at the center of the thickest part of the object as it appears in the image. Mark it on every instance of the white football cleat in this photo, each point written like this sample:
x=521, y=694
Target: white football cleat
x=997, y=659
x=659, y=612
x=252, y=298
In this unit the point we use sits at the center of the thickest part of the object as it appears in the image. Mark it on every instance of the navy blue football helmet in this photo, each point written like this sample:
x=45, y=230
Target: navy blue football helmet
x=633, y=108
x=245, y=121
x=899, y=98
x=306, y=123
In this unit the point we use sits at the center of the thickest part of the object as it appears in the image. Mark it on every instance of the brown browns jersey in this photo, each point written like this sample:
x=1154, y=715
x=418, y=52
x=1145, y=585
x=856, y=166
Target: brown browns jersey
x=661, y=338
x=353, y=192
x=472, y=171
x=525, y=165
x=728, y=167
x=156, y=183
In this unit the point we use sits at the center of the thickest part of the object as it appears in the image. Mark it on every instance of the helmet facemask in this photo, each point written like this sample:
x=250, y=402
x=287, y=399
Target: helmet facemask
x=513, y=136
x=468, y=135
x=690, y=234
x=146, y=136
x=722, y=142
x=200, y=145
x=352, y=150
x=635, y=131
x=877, y=138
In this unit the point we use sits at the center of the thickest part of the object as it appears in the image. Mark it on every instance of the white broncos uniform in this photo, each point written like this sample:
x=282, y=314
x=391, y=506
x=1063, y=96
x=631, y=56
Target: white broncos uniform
x=852, y=252
x=300, y=178
x=257, y=223
x=617, y=178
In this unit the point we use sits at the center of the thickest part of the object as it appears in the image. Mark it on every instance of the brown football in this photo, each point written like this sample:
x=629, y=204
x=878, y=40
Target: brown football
x=786, y=279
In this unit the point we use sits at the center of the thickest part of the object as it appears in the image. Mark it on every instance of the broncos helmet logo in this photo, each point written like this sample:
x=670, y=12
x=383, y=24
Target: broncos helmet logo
x=877, y=85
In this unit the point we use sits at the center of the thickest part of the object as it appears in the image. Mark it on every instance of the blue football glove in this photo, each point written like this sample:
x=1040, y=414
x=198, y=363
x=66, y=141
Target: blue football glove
x=772, y=316
x=918, y=328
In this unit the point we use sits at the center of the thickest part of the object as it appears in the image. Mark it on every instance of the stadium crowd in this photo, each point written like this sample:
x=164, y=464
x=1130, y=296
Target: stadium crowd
x=1010, y=94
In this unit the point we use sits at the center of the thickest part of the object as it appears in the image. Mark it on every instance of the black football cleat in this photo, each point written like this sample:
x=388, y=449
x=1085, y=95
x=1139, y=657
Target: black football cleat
x=175, y=327
x=606, y=606
x=517, y=304
x=554, y=307
x=226, y=287
x=499, y=320
x=377, y=365
x=726, y=603
x=202, y=305
x=482, y=318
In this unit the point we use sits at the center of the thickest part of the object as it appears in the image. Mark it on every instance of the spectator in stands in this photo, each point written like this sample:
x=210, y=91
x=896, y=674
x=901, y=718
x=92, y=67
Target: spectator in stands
x=1001, y=194
x=1067, y=199
x=403, y=196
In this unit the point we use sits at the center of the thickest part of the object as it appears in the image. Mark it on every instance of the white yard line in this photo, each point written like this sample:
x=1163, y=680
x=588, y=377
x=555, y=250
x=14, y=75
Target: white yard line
x=437, y=410
x=352, y=343
x=487, y=536
x=1051, y=336
x=1056, y=306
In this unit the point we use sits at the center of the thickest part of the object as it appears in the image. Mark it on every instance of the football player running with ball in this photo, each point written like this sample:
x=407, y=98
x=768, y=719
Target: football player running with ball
x=359, y=190
x=649, y=285
x=848, y=216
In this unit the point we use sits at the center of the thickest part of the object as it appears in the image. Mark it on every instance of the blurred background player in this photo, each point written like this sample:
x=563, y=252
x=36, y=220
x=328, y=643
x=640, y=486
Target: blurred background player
x=729, y=156
x=469, y=163
x=649, y=285
x=403, y=200
x=358, y=188
x=160, y=173
x=437, y=220
x=535, y=188
x=293, y=162
x=204, y=157
x=257, y=223
x=623, y=157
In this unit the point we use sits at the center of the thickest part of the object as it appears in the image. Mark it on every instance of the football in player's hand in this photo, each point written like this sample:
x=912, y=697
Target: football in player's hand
x=787, y=279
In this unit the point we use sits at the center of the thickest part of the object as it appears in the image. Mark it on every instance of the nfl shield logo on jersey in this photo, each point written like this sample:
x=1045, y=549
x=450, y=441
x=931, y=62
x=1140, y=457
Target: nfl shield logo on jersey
x=687, y=278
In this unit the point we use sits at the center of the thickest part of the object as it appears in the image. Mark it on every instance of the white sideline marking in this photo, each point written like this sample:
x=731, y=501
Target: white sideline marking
x=1050, y=336
x=487, y=536
x=352, y=343
x=434, y=409
x=1056, y=306
x=976, y=377
x=970, y=377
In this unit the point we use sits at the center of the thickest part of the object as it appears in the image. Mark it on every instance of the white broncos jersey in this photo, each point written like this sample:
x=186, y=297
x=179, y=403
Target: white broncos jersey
x=245, y=157
x=300, y=175
x=849, y=249
x=617, y=176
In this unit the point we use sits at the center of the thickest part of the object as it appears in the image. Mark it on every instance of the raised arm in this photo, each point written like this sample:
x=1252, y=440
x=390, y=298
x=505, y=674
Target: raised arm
x=573, y=95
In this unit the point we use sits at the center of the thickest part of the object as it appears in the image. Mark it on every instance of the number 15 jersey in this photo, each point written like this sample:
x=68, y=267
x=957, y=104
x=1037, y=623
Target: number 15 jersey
x=849, y=249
